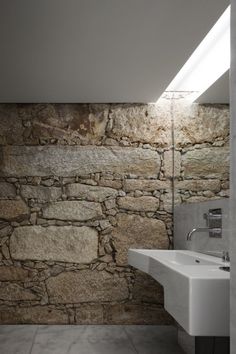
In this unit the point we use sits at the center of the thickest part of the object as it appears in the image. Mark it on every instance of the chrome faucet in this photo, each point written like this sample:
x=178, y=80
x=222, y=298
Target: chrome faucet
x=197, y=229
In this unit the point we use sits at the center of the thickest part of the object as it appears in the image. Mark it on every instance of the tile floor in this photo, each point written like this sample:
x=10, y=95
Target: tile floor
x=34, y=339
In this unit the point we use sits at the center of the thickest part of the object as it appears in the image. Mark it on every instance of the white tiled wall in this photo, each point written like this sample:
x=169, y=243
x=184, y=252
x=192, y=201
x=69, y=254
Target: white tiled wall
x=189, y=216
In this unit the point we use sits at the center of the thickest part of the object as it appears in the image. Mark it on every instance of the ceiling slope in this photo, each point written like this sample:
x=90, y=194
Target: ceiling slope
x=98, y=51
x=218, y=92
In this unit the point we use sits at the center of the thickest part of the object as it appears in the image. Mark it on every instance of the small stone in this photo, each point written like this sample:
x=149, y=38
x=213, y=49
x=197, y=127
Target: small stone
x=116, y=184
x=47, y=182
x=208, y=194
x=5, y=251
x=108, y=248
x=104, y=224
x=110, y=203
x=33, y=218
x=5, y=231
x=107, y=258
x=138, y=194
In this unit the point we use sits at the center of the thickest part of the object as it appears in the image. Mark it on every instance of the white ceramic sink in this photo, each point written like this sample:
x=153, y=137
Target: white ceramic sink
x=196, y=290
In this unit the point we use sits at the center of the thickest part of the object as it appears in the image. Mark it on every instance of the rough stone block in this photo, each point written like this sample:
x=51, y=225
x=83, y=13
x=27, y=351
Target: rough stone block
x=13, y=209
x=196, y=124
x=148, y=185
x=10, y=273
x=134, y=231
x=139, y=203
x=168, y=163
x=89, y=314
x=77, y=160
x=205, y=163
x=91, y=193
x=136, y=314
x=7, y=190
x=198, y=185
x=73, y=210
x=32, y=315
x=64, y=243
x=86, y=286
x=15, y=292
x=11, y=129
x=73, y=123
x=146, y=123
x=41, y=193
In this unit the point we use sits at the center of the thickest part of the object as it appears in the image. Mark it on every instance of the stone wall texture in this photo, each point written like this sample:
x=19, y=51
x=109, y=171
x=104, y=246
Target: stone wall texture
x=80, y=185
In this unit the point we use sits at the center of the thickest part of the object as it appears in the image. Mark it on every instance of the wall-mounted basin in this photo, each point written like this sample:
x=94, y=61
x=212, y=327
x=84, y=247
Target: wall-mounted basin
x=196, y=290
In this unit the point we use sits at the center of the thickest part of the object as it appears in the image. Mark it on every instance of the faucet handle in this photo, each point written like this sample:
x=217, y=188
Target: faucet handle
x=225, y=256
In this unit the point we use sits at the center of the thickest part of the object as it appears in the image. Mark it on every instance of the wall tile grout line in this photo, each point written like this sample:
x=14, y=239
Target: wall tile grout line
x=33, y=340
x=130, y=339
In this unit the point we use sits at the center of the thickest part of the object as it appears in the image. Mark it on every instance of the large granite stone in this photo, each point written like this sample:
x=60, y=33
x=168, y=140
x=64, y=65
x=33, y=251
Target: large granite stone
x=199, y=185
x=145, y=185
x=32, y=315
x=89, y=314
x=16, y=292
x=11, y=128
x=7, y=190
x=91, y=193
x=197, y=124
x=136, y=314
x=10, y=273
x=62, y=243
x=86, y=286
x=77, y=160
x=210, y=162
x=41, y=193
x=134, y=231
x=73, y=123
x=146, y=123
x=13, y=209
x=73, y=210
x=145, y=203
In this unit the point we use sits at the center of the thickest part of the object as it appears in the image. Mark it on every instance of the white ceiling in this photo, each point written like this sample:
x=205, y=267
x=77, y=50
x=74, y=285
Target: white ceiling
x=218, y=92
x=98, y=50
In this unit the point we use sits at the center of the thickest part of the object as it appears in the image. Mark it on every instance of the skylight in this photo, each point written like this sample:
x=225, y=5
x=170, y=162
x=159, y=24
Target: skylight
x=208, y=62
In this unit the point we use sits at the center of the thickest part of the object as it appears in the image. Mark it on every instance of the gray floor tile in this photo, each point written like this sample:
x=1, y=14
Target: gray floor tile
x=16, y=339
x=82, y=340
x=154, y=339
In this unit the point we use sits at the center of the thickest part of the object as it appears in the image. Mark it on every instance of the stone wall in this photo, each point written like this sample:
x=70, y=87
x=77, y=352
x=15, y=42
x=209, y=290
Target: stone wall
x=201, y=139
x=79, y=186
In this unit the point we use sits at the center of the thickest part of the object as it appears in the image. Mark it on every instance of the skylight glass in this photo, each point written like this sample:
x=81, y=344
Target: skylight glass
x=208, y=62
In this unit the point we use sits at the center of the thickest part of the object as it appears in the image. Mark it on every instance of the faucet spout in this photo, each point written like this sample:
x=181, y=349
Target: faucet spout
x=197, y=229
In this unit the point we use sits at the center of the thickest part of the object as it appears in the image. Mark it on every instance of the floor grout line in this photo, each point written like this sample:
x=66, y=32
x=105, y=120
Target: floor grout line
x=33, y=340
x=131, y=340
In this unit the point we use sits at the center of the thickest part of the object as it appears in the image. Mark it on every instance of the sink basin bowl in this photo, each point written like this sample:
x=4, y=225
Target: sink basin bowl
x=196, y=290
